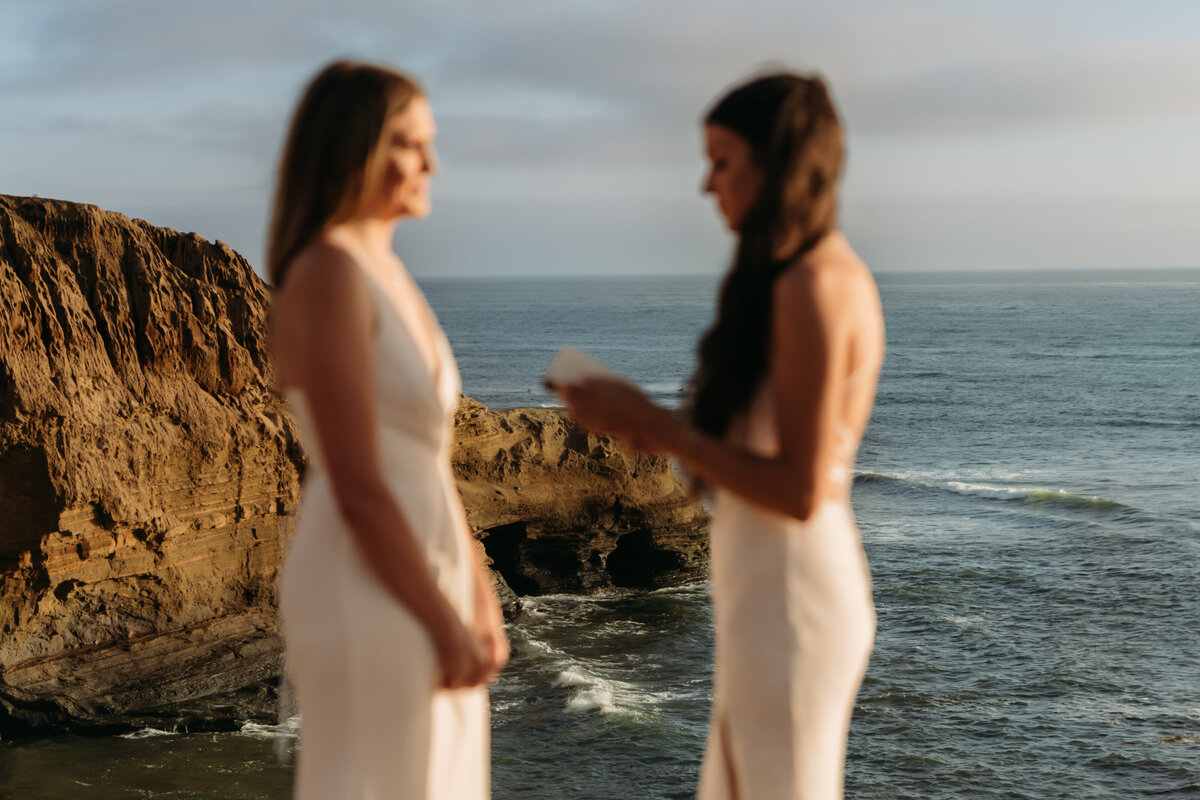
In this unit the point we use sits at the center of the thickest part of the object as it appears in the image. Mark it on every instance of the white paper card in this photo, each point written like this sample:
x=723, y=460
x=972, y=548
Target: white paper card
x=571, y=366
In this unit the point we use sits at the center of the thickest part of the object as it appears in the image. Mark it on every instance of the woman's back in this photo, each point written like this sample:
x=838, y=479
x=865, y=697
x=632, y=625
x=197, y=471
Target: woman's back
x=858, y=305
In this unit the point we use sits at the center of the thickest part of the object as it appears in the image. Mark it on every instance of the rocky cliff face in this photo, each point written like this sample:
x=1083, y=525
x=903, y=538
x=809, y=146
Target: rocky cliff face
x=147, y=473
x=149, y=477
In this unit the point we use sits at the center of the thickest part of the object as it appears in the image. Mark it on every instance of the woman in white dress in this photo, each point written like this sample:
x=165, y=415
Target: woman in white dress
x=391, y=623
x=783, y=391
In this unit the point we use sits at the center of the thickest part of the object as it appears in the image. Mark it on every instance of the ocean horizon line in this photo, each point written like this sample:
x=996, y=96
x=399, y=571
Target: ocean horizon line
x=965, y=275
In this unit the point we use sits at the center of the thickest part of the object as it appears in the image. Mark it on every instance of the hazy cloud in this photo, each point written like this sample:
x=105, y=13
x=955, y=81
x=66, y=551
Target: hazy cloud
x=570, y=107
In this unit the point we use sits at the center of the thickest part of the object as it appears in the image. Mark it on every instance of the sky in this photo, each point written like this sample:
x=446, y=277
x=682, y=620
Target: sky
x=1058, y=134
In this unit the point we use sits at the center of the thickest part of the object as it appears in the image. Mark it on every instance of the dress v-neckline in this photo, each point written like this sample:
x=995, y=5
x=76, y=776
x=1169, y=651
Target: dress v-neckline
x=436, y=361
x=437, y=369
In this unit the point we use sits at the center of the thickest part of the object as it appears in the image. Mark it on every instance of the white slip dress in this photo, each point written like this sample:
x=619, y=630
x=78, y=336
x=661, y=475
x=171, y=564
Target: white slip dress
x=373, y=724
x=795, y=624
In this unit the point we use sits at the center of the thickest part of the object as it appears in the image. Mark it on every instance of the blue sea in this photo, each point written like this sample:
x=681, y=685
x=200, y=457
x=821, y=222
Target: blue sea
x=1028, y=497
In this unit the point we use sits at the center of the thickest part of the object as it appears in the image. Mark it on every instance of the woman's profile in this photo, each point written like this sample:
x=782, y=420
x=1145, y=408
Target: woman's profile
x=391, y=623
x=783, y=391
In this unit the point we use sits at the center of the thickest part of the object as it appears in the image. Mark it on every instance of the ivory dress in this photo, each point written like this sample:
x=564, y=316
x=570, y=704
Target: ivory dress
x=373, y=724
x=794, y=629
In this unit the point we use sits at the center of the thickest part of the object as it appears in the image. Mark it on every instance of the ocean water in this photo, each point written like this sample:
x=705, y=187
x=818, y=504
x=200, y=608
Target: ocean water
x=1028, y=497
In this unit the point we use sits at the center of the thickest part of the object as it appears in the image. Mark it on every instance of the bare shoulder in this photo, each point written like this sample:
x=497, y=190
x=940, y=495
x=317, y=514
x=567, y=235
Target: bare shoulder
x=322, y=274
x=324, y=285
x=830, y=279
x=325, y=292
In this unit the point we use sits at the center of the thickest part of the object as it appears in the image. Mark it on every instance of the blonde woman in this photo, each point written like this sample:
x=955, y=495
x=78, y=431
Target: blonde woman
x=391, y=623
x=784, y=388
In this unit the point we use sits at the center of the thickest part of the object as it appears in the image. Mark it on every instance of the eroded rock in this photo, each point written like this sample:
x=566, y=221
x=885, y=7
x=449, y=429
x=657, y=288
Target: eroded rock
x=147, y=472
x=560, y=510
x=149, y=477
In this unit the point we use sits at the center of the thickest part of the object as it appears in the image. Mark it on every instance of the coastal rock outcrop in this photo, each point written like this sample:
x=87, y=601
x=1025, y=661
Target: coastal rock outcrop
x=563, y=511
x=149, y=478
x=148, y=474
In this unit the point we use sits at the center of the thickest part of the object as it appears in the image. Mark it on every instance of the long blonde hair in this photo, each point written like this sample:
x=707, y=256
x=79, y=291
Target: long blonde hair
x=332, y=142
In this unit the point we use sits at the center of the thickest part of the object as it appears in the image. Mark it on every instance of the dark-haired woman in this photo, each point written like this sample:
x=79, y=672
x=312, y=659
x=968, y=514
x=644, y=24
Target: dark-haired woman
x=391, y=623
x=783, y=391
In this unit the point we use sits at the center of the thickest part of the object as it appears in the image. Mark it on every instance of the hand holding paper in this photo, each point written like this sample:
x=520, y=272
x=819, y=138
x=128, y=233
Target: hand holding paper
x=571, y=367
x=604, y=401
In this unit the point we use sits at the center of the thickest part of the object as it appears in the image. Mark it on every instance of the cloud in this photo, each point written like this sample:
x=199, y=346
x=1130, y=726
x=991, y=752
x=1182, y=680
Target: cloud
x=182, y=106
x=1043, y=89
x=547, y=81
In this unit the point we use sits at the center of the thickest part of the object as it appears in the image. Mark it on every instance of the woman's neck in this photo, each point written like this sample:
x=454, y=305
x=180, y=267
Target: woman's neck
x=373, y=234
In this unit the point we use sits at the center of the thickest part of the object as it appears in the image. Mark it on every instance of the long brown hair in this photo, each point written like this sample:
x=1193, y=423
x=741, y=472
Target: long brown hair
x=331, y=143
x=795, y=136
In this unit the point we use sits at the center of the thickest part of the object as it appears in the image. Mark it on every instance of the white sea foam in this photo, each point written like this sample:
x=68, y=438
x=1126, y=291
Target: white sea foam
x=621, y=627
x=544, y=649
x=695, y=587
x=933, y=477
x=988, y=488
x=595, y=698
x=289, y=728
x=593, y=693
x=995, y=492
x=148, y=733
x=574, y=677
x=531, y=609
x=1035, y=494
x=539, y=601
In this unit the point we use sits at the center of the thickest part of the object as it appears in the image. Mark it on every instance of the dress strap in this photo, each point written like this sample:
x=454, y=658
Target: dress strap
x=406, y=301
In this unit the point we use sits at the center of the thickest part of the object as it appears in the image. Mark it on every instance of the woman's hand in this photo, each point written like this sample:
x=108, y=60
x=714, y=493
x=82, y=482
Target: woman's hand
x=495, y=645
x=463, y=661
x=622, y=410
x=489, y=625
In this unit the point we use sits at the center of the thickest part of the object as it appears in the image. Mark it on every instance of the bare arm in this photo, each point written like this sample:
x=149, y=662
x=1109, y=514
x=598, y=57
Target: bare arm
x=325, y=334
x=811, y=335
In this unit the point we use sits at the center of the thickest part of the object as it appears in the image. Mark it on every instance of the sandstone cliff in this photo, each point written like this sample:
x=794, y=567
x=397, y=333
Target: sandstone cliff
x=149, y=477
x=147, y=473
